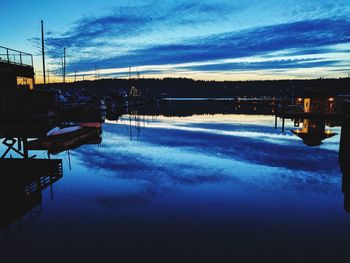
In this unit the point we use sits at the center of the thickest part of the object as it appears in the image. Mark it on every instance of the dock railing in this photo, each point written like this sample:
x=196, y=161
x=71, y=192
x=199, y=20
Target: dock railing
x=16, y=57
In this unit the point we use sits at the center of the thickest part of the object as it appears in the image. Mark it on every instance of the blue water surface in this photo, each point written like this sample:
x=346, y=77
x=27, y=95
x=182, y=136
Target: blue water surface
x=212, y=188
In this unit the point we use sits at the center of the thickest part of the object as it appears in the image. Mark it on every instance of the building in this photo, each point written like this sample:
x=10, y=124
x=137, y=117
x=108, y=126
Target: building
x=18, y=98
x=16, y=70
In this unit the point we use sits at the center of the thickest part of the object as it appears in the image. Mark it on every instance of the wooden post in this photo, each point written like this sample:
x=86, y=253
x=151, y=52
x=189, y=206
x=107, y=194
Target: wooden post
x=25, y=148
x=344, y=155
x=283, y=113
x=276, y=115
x=344, y=146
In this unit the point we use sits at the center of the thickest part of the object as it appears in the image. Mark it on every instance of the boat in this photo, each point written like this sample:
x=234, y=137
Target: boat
x=90, y=124
x=59, y=139
x=60, y=131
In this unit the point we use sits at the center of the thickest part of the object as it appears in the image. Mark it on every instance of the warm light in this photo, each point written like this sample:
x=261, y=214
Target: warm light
x=331, y=99
x=300, y=99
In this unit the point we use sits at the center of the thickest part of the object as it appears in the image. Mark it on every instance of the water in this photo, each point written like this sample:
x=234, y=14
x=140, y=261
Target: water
x=190, y=189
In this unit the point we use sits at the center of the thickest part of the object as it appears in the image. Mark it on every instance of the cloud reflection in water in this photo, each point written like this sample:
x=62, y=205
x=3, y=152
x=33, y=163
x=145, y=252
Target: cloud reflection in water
x=172, y=153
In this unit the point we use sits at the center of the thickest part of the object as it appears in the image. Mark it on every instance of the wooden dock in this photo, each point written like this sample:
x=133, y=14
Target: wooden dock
x=319, y=116
x=22, y=181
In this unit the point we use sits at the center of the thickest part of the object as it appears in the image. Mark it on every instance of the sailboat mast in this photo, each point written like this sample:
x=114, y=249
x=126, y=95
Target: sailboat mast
x=64, y=65
x=43, y=49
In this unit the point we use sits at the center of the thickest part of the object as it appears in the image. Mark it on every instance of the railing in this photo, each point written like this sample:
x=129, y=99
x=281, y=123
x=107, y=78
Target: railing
x=16, y=57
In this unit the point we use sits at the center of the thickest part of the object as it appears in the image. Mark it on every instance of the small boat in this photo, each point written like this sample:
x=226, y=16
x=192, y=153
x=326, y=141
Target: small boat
x=58, y=139
x=89, y=124
x=59, y=131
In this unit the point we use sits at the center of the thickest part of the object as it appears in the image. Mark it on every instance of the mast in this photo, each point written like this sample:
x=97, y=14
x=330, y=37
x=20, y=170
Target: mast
x=64, y=65
x=43, y=49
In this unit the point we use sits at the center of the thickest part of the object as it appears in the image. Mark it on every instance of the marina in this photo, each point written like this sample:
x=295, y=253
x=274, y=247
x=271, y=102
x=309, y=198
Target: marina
x=175, y=131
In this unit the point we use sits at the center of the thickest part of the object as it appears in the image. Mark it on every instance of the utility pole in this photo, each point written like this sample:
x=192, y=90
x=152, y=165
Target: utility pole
x=75, y=76
x=64, y=65
x=48, y=76
x=43, y=49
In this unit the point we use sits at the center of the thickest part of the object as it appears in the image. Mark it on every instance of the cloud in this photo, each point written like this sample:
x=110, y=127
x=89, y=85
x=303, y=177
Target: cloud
x=275, y=64
x=131, y=21
x=302, y=36
x=158, y=33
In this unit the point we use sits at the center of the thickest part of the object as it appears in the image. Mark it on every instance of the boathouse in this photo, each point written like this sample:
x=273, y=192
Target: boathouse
x=318, y=101
x=16, y=70
x=18, y=98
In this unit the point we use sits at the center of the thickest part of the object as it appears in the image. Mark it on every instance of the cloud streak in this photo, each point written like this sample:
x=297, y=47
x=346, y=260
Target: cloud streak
x=275, y=64
x=180, y=32
x=298, y=36
x=133, y=21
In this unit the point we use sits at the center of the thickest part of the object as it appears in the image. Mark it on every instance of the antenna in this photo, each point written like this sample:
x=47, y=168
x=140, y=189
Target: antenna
x=43, y=49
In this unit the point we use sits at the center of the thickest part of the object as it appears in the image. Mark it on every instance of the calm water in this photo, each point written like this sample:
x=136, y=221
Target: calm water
x=205, y=187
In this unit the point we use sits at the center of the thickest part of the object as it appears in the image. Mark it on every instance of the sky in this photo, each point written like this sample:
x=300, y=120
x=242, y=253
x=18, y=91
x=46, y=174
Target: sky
x=207, y=39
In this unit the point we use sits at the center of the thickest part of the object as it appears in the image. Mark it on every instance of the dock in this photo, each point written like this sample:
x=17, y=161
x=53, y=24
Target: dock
x=23, y=181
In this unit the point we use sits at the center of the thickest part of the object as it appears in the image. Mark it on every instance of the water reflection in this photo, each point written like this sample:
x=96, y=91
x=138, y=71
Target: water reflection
x=24, y=176
x=22, y=182
x=313, y=132
x=209, y=180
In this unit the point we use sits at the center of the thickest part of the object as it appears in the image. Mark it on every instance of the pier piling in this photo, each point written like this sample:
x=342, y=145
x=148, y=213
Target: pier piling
x=344, y=155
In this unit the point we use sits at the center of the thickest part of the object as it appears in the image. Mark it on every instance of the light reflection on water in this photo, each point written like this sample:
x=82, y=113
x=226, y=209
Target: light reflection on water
x=225, y=181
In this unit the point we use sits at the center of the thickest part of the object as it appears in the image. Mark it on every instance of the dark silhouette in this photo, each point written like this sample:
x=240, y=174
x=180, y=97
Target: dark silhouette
x=22, y=181
x=183, y=87
x=344, y=156
x=313, y=133
x=24, y=178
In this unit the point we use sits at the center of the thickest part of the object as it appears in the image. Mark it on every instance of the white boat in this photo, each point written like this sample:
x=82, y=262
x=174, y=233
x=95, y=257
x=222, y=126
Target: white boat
x=59, y=131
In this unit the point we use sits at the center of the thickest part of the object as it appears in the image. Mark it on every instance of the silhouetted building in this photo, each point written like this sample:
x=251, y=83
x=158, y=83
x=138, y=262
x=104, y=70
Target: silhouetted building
x=16, y=69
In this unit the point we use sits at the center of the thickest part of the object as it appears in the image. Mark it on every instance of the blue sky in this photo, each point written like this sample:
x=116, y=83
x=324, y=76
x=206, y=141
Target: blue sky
x=200, y=39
